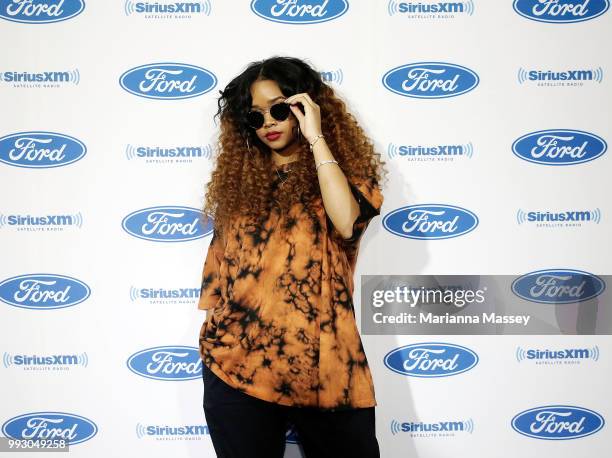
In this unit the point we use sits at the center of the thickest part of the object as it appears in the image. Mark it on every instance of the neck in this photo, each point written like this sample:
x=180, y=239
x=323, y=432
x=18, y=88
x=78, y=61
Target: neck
x=288, y=154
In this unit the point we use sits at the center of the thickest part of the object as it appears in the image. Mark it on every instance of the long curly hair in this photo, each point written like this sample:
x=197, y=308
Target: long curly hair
x=241, y=181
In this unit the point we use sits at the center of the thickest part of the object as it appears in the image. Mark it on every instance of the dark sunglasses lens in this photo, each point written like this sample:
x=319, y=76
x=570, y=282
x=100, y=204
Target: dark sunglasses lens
x=255, y=119
x=280, y=111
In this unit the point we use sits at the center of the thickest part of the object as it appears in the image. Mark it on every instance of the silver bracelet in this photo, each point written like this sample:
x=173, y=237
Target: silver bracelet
x=316, y=140
x=325, y=162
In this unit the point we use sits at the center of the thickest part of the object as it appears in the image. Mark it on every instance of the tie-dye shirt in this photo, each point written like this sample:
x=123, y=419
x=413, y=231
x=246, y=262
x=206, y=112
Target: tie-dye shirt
x=281, y=323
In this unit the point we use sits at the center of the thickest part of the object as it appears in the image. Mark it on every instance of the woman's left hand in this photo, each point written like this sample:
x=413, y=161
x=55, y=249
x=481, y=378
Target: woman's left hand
x=310, y=120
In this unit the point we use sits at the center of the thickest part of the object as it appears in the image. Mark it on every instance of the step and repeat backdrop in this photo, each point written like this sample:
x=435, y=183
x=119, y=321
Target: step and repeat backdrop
x=493, y=118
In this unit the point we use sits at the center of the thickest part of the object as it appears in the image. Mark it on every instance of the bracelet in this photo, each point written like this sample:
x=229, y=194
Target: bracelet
x=325, y=162
x=316, y=140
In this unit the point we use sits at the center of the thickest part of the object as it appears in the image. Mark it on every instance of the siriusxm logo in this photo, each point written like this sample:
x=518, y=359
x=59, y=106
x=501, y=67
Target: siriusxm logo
x=558, y=286
x=40, y=11
x=174, y=432
x=45, y=223
x=167, y=363
x=430, y=80
x=547, y=78
x=566, y=355
x=40, y=149
x=332, y=76
x=559, y=147
x=430, y=153
x=434, y=10
x=40, y=79
x=160, y=154
x=45, y=362
x=560, y=11
x=435, y=429
x=169, y=9
x=431, y=359
x=166, y=224
x=299, y=11
x=567, y=218
x=43, y=291
x=557, y=422
x=167, y=81
x=161, y=295
x=430, y=221
x=50, y=426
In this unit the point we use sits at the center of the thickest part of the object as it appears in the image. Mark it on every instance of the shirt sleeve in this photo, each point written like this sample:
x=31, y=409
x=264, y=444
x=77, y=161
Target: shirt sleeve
x=210, y=292
x=368, y=195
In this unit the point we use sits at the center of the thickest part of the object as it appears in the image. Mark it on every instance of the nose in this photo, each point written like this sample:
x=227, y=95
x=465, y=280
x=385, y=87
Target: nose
x=268, y=119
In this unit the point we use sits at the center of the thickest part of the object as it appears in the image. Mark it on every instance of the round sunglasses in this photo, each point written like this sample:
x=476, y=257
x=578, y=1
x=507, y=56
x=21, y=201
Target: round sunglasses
x=279, y=111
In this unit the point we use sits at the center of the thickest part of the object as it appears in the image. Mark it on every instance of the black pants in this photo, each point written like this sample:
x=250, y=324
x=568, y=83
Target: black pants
x=243, y=426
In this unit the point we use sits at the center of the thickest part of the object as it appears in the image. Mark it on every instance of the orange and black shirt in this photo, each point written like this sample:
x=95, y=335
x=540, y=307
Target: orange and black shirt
x=280, y=322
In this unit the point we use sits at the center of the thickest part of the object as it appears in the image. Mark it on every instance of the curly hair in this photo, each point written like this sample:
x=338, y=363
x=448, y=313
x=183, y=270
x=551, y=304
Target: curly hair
x=241, y=180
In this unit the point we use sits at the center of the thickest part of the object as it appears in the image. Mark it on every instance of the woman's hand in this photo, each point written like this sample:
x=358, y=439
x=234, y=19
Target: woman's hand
x=310, y=120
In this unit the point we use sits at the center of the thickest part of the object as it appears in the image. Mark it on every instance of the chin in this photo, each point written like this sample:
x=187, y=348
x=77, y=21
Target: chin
x=276, y=146
x=281, y=146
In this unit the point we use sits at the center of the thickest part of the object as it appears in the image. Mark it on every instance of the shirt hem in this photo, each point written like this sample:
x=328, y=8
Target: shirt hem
x=358, y=405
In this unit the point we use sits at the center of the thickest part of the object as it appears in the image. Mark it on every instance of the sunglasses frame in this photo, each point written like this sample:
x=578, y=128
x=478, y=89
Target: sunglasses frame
x=261, y=118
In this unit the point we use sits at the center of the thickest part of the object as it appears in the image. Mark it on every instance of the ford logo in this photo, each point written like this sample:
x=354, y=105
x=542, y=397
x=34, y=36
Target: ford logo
x=558, y=286
x=430, y=221
x=166, y=224
x=50, y=426
x=299, y=11
x=167, y=363
x=431, y=359
x=560, y=11
x=40, y=11
x=430, y=80
x=167, y=81
x=557, y=422
x=559, y=147
x=43, y=291
x=40, y=149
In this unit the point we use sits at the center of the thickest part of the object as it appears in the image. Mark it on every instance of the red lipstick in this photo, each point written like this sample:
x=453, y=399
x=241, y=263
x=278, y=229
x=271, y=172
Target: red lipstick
x=273, y=135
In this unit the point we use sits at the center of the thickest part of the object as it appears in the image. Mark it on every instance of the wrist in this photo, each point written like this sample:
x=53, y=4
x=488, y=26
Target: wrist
x=317, y=139
x=314, y=137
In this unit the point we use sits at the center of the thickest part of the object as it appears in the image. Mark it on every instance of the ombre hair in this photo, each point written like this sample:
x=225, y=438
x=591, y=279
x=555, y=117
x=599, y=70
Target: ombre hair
x=241, y=180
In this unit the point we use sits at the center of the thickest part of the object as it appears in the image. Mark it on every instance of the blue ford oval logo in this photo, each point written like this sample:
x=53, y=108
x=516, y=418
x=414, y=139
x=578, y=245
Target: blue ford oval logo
x=43, y=291
x=556, y=286
x=50, y=426
x=431, y=359
x=430, y=80
x=430, y=221
x=561, y=11
x=299, y=11
x=166, y=224
x=40, y=11
x=167, y=363
x=559, y=147
x=40, y=149
x=557, y=422
x=168, y=81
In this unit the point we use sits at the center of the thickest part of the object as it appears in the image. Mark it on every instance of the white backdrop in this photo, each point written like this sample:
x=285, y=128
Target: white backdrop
x=87, y=300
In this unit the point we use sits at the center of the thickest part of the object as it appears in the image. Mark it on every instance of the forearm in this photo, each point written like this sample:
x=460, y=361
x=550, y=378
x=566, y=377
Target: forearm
x=338, y=200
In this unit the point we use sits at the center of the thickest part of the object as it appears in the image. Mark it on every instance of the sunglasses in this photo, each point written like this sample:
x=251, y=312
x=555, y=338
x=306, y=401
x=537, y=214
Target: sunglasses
x=279, y=111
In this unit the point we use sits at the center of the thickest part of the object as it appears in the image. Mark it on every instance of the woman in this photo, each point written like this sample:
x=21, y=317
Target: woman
x=294, y=187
